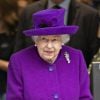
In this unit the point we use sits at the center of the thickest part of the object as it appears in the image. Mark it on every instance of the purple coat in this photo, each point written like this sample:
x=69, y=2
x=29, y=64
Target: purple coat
x=31, y=78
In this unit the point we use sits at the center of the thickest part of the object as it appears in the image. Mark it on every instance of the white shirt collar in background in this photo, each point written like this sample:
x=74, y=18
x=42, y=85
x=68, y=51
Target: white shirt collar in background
x=65, y=4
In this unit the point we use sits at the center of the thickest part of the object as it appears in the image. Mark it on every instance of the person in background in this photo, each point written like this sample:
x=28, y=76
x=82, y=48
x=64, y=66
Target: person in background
x=78, y=14
x=96, y=4
x=21, y=4
x=8, y=23
x=48, y=70
x=88, y=2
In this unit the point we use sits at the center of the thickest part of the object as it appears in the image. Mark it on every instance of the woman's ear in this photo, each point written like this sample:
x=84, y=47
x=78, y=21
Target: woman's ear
x=36, y=42
x=34, y=38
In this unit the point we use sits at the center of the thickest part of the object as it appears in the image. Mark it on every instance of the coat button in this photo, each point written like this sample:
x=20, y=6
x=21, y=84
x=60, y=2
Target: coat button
x=51, y=69
x=56, y=96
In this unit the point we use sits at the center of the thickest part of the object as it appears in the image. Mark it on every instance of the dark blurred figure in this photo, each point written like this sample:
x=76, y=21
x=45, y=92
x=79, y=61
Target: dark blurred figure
x=93, y=3
x=8, y=24
x=96, y=4
x=84, y=16
x=21, y=4
x=88, y=2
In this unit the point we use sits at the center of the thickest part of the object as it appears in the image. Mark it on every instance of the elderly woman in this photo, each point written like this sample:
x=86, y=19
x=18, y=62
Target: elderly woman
x=49, y=70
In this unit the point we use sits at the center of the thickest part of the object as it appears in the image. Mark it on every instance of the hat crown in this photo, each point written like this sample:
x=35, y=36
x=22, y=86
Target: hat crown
x=48, y=18
x=50, y=22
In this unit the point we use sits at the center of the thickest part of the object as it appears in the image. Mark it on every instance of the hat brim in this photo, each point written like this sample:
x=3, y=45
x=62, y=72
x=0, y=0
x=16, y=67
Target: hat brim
x=59, y=30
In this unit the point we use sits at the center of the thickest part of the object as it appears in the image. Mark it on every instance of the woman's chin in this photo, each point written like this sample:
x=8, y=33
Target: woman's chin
x=49, y=58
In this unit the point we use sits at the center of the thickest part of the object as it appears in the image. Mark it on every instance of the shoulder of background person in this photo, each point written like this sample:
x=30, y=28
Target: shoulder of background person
x=86, y=8
x=32, y=8
x=36, y=6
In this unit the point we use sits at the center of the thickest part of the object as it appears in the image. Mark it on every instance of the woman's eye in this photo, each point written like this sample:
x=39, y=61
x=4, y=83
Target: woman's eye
x=54, y=40
x=44, y=39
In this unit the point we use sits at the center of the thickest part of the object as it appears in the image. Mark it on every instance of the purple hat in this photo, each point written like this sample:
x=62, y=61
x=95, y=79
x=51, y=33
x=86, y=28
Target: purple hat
x=50, y=22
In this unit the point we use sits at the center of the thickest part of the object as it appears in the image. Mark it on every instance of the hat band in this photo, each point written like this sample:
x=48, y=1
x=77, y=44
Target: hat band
x=43, y=25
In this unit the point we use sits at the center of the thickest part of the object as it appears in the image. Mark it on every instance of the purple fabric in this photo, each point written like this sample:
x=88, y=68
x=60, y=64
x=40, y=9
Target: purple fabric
x=50, y=22
x=52, y=31
x=29, y=77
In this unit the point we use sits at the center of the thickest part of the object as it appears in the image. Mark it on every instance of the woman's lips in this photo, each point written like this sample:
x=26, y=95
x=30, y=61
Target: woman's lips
x=49, y=52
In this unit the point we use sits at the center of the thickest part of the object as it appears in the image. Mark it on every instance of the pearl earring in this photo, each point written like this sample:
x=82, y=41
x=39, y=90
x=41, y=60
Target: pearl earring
x=35, y=45
x=62, y=44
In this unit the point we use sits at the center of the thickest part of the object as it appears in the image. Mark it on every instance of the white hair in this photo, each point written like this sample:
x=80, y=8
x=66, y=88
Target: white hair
x=65, y=38
x=34, y=38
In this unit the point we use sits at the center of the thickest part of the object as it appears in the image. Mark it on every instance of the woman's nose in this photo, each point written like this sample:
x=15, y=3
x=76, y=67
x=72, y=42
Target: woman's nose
x=49, y=44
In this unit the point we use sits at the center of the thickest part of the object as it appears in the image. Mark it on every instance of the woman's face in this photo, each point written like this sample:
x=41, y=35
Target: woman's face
x=49, y=47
